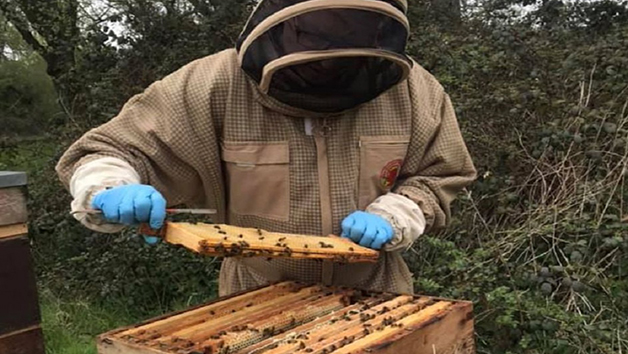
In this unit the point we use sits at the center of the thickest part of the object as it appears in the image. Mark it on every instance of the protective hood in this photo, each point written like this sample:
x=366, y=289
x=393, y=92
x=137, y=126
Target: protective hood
x=325, y=55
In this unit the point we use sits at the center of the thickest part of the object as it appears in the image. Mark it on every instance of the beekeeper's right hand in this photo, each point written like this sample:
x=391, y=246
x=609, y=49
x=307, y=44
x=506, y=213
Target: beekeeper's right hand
x=132, y=204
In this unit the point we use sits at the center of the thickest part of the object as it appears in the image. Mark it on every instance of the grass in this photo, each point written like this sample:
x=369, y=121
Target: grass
x=71, y=326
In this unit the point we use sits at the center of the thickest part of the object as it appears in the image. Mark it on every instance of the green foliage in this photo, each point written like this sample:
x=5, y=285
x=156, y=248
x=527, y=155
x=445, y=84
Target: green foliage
x=537, y=243
x=28, y=97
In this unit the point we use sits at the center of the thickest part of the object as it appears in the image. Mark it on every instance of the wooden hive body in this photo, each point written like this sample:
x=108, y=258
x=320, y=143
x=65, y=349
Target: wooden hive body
x=233, y=241
x=290, y=317
x=20, y=319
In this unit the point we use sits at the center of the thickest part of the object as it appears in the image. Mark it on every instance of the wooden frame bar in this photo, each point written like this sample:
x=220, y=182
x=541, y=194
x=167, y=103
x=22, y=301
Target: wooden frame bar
x=221, y=240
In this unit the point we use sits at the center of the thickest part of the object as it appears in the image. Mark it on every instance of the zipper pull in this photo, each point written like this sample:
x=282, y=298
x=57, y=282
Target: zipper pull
x=323, y=128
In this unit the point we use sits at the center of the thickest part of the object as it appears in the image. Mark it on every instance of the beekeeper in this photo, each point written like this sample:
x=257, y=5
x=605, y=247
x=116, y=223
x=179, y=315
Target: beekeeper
x=317, y=122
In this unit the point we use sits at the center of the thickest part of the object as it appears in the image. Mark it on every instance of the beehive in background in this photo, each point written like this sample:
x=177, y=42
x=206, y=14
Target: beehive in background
x=20, y=319
x=290, y=317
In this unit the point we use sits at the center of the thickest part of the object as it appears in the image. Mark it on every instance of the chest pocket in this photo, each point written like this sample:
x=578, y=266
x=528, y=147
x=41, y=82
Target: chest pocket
x=381, y=159
x=258, y=178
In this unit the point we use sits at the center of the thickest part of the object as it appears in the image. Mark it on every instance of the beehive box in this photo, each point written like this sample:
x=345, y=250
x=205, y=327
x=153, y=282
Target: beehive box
x=233, y=241
x=290, y=317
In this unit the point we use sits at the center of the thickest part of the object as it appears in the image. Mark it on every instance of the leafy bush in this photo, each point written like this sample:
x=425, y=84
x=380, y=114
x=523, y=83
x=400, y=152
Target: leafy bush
x=538, y=242
x=28, y=101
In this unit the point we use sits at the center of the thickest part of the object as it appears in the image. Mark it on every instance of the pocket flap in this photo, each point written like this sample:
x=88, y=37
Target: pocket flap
x=385, y=139
x=256, y=153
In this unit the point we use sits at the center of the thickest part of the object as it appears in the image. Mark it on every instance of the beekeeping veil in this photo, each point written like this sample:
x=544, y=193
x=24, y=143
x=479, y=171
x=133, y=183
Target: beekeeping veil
x=325, y=55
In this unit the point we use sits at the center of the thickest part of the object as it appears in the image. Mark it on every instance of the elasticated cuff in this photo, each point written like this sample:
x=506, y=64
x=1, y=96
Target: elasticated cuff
x=405, y=217
x=92, y=178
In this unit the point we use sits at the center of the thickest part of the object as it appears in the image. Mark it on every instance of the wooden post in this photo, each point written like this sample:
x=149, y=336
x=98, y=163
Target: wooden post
x=20, y=329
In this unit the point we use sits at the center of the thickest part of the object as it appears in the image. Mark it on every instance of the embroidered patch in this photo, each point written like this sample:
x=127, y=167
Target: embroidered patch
x=389, y=173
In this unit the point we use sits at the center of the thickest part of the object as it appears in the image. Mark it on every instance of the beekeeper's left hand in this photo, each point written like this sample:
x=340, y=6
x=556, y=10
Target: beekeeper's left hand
x=368, y=230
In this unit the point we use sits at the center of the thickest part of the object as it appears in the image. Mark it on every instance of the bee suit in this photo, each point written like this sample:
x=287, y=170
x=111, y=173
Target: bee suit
x=316, y=113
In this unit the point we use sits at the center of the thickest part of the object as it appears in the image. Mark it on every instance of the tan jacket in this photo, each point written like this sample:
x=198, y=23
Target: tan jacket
x=206, y=136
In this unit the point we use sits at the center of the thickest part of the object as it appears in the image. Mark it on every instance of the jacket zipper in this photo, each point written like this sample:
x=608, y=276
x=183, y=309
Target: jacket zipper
x=321, y=132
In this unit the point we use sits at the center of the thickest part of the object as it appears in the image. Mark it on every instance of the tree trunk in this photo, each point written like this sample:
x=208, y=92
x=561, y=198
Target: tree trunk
x=55, y=22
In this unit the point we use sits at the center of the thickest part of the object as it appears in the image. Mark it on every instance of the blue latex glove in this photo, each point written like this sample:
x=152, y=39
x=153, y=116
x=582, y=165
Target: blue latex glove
x=132, y=204
x=368, y=230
